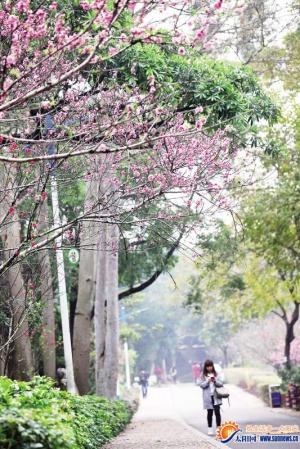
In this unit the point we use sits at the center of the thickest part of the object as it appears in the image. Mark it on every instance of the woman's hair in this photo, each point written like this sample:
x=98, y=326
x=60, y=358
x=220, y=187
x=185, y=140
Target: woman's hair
x=206, y=364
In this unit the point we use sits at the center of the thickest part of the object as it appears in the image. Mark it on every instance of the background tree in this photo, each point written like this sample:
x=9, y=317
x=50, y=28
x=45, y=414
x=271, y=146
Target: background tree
x=268, y=265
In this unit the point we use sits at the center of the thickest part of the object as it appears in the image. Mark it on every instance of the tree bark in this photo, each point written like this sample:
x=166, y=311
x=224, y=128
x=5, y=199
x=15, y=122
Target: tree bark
x=290, y=336
x=2, y=366
x=224, y=349
x=20, y=358
x=100, y=319
x=86, y=292
x=47, y=294
x=106, y=301
x=111, y=359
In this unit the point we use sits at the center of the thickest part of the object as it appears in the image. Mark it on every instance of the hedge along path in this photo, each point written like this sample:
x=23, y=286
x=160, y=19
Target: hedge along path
x=36, y=415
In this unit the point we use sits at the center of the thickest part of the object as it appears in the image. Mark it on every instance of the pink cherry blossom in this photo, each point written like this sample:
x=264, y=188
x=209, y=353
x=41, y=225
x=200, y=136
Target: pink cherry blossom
x=53, y=6
x=22, y=5
x=132, y=142
x=176, y=40
x=218, y=5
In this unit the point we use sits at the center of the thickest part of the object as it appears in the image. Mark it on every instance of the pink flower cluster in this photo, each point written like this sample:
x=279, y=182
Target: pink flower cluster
x=135, y=145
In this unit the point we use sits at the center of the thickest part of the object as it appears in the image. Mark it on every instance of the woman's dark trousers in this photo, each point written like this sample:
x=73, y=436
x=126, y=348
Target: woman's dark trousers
x=210, y=414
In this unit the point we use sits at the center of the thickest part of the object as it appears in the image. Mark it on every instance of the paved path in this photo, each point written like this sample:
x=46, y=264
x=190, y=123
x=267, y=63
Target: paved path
x=157, y=425
x=173, y=418
x=244, y=409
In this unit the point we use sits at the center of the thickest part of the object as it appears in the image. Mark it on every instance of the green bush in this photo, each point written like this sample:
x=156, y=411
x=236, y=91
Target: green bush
x=290, y=376
x=35, y=415
x=96, y=420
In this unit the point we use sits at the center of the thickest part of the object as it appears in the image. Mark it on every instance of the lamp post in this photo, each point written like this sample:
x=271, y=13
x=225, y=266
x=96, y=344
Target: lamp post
x=127, y=367
x=126, y=352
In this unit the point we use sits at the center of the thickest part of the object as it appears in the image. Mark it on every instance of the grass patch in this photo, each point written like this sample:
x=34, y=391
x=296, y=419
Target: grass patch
x=254, y=380
x=251, y=376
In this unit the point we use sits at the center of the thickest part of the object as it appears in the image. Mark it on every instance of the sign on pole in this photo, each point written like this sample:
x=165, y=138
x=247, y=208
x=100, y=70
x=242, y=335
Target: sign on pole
x=73, y=255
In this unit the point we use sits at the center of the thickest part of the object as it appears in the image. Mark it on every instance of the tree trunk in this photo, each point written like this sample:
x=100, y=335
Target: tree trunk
x=20, y=359
x=100, y=319
x=85, y=295
x=224, y=349
x=106, y=301
x=290, y=336
x=111, y=359
x=107, y=318
x=49, y=348
x=82, y=322
x=6, y=316
x=2, y=366
x=47, y=294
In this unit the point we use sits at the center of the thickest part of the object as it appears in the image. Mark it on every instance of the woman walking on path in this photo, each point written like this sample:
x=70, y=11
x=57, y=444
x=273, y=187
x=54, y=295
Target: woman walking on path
x=209, y=380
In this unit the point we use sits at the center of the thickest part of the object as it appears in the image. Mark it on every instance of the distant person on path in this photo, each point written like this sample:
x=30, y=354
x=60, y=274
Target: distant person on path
x=143, y=381
x=196, y=371
x=209, y=380
x=158, y=373
x=173, y=372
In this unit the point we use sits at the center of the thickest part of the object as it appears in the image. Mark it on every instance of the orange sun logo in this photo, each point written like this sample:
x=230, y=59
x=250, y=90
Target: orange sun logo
x=225, y=430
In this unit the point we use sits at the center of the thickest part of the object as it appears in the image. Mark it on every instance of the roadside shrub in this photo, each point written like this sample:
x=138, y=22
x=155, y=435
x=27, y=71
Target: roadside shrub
x=96, y=420
x=35, y=415
x=290, y=376
x=25, y=429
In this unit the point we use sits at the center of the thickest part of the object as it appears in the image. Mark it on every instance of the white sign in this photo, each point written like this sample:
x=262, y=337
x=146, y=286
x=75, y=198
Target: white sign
x=73, y=255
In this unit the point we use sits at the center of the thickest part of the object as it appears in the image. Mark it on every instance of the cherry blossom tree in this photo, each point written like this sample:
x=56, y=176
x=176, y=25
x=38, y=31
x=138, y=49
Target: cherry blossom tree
x=64, y=114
